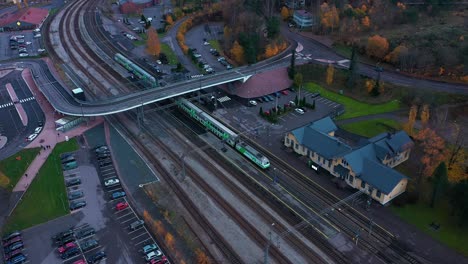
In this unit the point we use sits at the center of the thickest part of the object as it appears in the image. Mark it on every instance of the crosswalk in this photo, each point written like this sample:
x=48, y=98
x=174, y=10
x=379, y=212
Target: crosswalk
x=24, y=100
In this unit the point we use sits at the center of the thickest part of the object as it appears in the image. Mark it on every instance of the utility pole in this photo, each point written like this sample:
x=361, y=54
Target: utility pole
x=267, y=248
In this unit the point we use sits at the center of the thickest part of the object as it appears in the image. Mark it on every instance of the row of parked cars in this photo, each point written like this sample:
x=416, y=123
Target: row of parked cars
x=13, y=248
x=74, y=193
x=71, y=243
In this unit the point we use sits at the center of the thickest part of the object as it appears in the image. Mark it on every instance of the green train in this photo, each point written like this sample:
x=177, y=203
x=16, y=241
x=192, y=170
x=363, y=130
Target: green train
x=224, y=133
x=135, y=69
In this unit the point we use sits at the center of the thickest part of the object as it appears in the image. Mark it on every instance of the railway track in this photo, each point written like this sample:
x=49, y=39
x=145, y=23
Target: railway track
x=254, y=187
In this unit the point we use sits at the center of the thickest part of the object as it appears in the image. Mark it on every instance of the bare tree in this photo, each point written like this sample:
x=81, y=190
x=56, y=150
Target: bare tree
x=268, y=8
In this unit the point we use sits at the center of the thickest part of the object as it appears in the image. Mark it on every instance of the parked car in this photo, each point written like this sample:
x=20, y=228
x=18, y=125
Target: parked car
x=12, y=241
x=121, y=206
x=31, y=137
x=13, y=254
x=149, y=248
x=111, y=182
x=97, y=257
x=159, y=260
x=17, y=259
x=89, y=244
x=38, y=130
x=77, y=205
x=85, y=232
x=153, y=254
x=23, y=54
x=62, y=235
x=299, y=111
x=66, y=247
x=116, y=195
x=13, y=247
x=41, y=50
x=75, y=195
x=285, y=92
x=10, y=236
x=252, y=102
x=80, y=261
x=70, y=253
x=73, y=182
x=136, y=224
x=101, y=148
x=313, y=95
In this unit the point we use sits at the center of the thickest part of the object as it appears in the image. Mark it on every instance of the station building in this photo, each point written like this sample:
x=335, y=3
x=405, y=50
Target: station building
x=366, y=167
x=304, y=19
x=135, y=6
x=23, y=19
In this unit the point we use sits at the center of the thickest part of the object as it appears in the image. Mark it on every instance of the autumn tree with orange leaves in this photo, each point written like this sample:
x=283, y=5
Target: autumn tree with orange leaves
x=201, y=257
x=409, y=126
x=153, y=45
x=377, y=46
x=237, y=52
x=433, y=150
x=329, y=19
x=284, y=13
x=330, y=73
x=424, y=116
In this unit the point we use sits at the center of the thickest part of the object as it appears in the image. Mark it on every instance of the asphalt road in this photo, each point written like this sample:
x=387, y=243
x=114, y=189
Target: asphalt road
x=10, y=122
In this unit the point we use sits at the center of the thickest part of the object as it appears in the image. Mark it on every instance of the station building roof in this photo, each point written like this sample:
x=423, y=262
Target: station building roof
x=32, y=15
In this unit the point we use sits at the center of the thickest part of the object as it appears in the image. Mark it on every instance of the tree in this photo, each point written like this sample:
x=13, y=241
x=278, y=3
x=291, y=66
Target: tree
x=395, y=56
x=169, y=239
x=330, y=72
x=271, y=50
x=377, y=47
x=201, y=257
x=456, y=159
x=424, y=115
x=352, y=69
x=260, y=111
x=169, y=20
x=439, y=182
x=298, y=80
x=408, y=127
x=284, y=13
x=273, y=27
x=153, y=44
x=292, y=67
x=329, y=17
x=433, y=149
x=459, y=201
x=143, y=18
x=237, y=52
x=313, y=104
x=365, y=22
x=296, y=100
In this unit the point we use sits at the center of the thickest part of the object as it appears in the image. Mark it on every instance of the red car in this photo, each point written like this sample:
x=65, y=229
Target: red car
x=121, y=206
x=12, y=241
x=66, y=247
x=284, y=92
x=13, y=253
x=162, y=260
x=81, y=261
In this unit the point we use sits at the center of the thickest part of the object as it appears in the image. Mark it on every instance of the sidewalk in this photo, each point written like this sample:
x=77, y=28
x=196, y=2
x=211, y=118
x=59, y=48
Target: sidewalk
x=48, y=137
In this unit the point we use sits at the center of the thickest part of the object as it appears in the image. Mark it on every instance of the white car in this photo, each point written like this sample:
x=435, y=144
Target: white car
x=206, y=43
x=111, y=182
x=158, y=62
x=38, y=130
x=253, y=102
x=28, y=42
x=41, y=50
x=31, y=137
x=299, y=111
x=23, y=54
x=38, y=35
x=37, y=30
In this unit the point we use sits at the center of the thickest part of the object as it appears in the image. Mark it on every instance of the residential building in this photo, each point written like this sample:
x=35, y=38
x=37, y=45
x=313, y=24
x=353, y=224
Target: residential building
x=23, y=19
x=304, y=19
x=293, y=4
x=366, y=167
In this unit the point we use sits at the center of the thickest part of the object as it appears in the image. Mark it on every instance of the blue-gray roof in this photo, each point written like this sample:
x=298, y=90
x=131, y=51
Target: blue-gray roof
x=356, y=157
x=324, y=125
x=381, y=177
x=328, y=147
x=396, y=142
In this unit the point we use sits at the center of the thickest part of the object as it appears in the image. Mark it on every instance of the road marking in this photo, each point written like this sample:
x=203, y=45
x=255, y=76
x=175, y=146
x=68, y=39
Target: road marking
x=136, y=244
x=130, y=219
x=144, y=233
x=97, y=247
x=124, y=214
x=113, y=190
x=112, y=169
x=108, y=172
x=131, y=232
x=107, y=178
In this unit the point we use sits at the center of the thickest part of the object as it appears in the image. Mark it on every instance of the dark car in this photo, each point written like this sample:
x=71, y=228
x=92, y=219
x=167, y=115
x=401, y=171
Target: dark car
x=70, y=253
x=116, y=195
x=97, y=257
x=101, y=149
x=12, y=241
x=66, y=156
x=105, y=163
x=62, y=235
x=73, y=182
x=13, y=254
x=85, y=232
x=17, y=259
x=89, y=244
x=77, y=205
x=13, y=247
x=102, y=156
x=10, y=236
x=315, y=95
x=75, y=195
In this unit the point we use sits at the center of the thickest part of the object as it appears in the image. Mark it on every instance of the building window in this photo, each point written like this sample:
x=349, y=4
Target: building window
x=351, y=179
x=287, y=141
x=363, y=184
x=378, y=194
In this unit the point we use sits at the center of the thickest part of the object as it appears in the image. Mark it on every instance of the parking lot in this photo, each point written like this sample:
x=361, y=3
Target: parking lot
x=13, y=44
x=112, y=231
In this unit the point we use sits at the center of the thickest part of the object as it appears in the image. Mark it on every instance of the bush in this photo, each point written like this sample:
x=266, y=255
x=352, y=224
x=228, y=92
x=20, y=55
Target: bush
x=406, y=198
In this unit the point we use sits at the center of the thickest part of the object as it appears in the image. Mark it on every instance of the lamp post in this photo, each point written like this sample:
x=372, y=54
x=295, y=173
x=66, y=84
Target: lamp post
x=267, y=248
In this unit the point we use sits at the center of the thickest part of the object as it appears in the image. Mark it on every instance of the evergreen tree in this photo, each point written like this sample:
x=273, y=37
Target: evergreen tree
x=260, y=112
x=296, y=100
x=313, y=104
x=352, y=69
x=292, y=67
x=439, y=182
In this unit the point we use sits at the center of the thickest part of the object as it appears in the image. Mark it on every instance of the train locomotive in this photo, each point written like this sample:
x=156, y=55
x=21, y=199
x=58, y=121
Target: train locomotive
x=224, y=133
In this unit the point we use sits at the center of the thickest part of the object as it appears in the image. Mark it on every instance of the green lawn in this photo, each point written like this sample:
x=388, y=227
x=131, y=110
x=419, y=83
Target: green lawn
x=343, y=50
x=12, y=169
x=171, y=56
x=353, y=108
x=422, y=216
x=373, y=127
x=215, y=44
x=46, y=197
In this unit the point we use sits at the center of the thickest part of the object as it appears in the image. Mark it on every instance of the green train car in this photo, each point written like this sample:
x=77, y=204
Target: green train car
x=135, y=69
x=223, y=133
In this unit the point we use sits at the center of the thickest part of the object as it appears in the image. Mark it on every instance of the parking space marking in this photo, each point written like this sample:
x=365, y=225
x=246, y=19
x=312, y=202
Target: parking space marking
x=108, y=169
x=143, y=241
x=125, y=221
x=108, y=172
x=107, y=178
x=115, y=189
x=330, y=103
x=126, y=209
x=144, y=233
x=97, y=247
x=131, y=232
